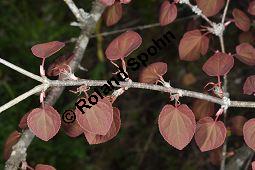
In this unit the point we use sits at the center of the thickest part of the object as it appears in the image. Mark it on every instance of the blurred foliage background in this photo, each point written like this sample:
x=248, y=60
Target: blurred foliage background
x=139, y=144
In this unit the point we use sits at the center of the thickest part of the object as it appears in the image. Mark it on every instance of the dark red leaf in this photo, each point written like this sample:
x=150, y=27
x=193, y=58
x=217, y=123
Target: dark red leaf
x=249, y=85
x=12, y=139
x=249, y=133
x=44, y=167
x=123, y=45
x=237, y=123
x=202, y=108
x=113, y=14
x=246, y=53
x=246, y=37
x=72, y=129
x=151, y=74
x=44, y=122
x=97, y=119
x=219, y=64
x=192, y=45
x=253, y=165
x=210, y=7
x=168, y=13
x=251, y=8
x=59, y=65
x=242, y=21
x=47, y=49
x=177, y=125
x=210, y=134
x=113, y=131
x=23, y=121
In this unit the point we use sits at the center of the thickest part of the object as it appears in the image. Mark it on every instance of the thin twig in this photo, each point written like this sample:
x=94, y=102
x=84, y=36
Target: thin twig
x=22, y=97
x=75, y=10
x=225, y=85
x=21, y=70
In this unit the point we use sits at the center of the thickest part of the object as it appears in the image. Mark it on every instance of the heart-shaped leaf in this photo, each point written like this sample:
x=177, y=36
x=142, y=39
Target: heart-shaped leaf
x=98, y=118
x=251, y=8
x=192, y=45
x=210, y=134
x=151, y=74
x=242, y=21
x=168, y=13
x=202, y=108
x=107, y=2
x=72, y=129
x=44, y=122
x=123, y=45
x=61, y=64
x=249, y=85
x=210, y=7
x=47, y=49
x=246, y=53
x=44, y=167
x=113, y=14
x=219, y=64
x=249, y=133
x=177, y=125
x=113, y=131
x=10, y=141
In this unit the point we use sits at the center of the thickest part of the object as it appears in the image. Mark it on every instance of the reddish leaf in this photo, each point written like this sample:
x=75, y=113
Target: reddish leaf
x=113, y=14
x=44, y=122
x=107, y=2
x=215, y=156
x=168, y=13
x=249, y=85
x=151, y=74
x=253, y=165
x=202, y=108
x=177, y=125
x=192, y=45
x=210, y=7
x=72, y=129
x=23, y=121
x=44, y=167
x=10, y=141
x=47, y=49
x=249, y=133
x=246, y=37
x=113, y=131
x=251, y=8
x=189, y=79
x=59, y=65
x=98, y=118
x=246, y=53
x=237, y=123
x=125, y=1
x=210, y=134
x=219, y=64
x=123, y=45
x=242, y=21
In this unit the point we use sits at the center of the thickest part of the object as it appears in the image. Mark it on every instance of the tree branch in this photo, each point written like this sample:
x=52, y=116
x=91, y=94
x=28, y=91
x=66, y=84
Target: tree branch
x=19, y=154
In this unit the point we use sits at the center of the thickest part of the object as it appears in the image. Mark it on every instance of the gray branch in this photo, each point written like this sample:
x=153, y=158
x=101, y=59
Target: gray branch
x=19, y=154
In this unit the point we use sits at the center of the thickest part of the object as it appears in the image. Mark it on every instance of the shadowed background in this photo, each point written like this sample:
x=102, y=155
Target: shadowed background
x=139, y=144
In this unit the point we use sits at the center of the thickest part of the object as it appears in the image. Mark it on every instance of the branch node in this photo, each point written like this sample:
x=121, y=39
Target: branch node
x=226, y=103
x=217, y=29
